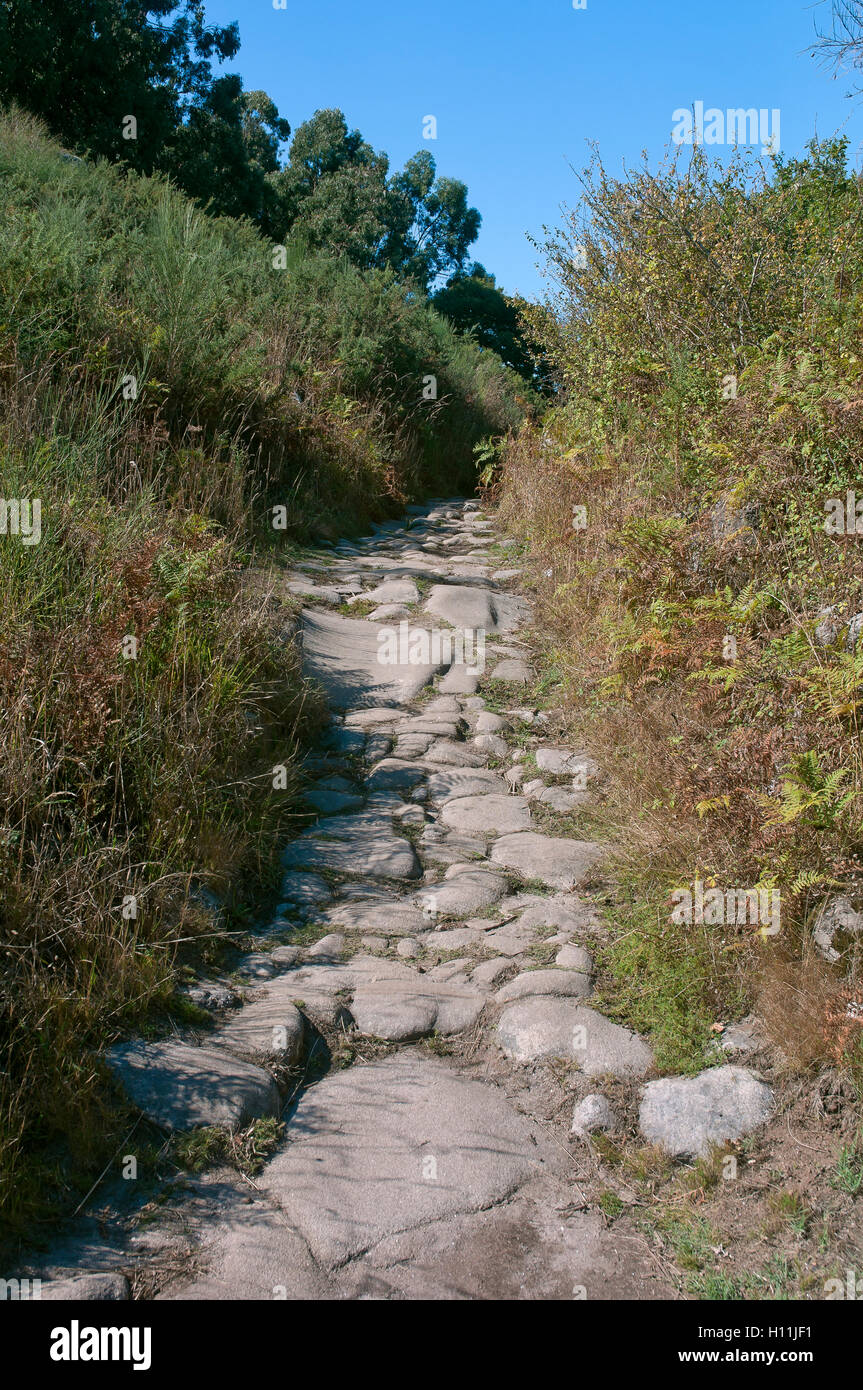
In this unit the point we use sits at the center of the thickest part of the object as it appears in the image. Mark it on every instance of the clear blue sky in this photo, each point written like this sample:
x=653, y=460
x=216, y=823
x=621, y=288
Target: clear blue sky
x=519, y=86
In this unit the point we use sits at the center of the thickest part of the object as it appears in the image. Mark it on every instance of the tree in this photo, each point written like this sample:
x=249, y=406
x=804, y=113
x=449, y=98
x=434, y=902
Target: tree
x=842, y=46
x=475, y=306
x=431, y=227
x=87, y=67
x=333, y=190
x=336, y=191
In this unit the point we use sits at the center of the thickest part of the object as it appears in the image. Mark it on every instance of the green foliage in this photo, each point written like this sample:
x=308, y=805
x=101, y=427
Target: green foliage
x=335, y=194
x=86, y=68
x=163, y=385
x=704, y=327
x=474, y=305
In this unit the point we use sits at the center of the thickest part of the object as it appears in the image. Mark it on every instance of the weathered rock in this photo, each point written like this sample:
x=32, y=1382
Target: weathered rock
x=536, y=1028
x=181, y=1087
x=460, y=679
x=389, y=918
x=452, y=939
x=442, y=846
x=686, y=1115
x=827, y=627
x=395, y=775
x=389, y=613
x=487, y=815
x=395, y=1145
x=399, y=591
x=745, y=1036
x=321, y=593
x=491, y=744
x=835, y=917
x=101, y=1287
x=286, y=956
x=444, y=785
x=562, y=761
x=575, y=958
x=305, y=890
x=561, y=983
x=373, y=718
x=330, y=947
x=373, y=943
x=447, y=751
x=398, y=1004
x=852, y=636
x=257, y=966
x=561, y=800
x=470, y=890
x=476, y=608
x=353, y=845
x=558, y=863
x=488, y=972
x=328, y=802
x=409, y=746
x=514, y=671
x=269, y=1027
x=565, y=911
x=591, y=1115
x=344, y=655
x=488, y=723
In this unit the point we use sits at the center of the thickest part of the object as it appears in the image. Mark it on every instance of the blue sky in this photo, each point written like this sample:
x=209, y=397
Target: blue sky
x=519, y=86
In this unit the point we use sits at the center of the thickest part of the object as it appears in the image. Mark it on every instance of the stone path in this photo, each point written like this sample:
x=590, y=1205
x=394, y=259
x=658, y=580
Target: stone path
x=452, y=970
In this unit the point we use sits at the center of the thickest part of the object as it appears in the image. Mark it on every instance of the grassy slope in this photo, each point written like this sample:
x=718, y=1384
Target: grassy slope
x=163, y=386
x=680, y=620
x=683, y=613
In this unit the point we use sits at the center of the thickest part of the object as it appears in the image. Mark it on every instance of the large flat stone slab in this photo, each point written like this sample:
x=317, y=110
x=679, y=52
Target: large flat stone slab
x=477, y=608
x=344, y=656
x=379, y=856
x=471, y=890
x=361, y=843
x=394, y=1145
x=451, y=753
x=536, y=1028
x=491, y=814
x=269, y=1027
x=573, y=984
x=181, y=1087
x=378, y=919
x=446, y=783
x=558, y=863
x=401, y=1004
x=686, y=1115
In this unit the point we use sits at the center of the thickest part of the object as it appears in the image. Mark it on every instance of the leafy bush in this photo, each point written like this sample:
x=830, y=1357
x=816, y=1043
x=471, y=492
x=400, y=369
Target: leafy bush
x=705, y=326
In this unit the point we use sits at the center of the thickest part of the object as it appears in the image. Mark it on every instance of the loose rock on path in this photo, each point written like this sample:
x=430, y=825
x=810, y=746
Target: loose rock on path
x=445, y=913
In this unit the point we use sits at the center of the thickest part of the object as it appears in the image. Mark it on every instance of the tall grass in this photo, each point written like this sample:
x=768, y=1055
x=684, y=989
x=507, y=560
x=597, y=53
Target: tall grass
x=163, y=386
x=705, y=326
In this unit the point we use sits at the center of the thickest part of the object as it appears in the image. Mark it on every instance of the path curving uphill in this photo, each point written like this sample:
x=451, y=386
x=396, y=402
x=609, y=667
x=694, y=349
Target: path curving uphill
x=440, y=1067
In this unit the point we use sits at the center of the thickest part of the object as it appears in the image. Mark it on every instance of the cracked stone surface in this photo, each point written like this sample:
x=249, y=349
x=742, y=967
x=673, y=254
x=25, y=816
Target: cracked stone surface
x=401, y=1175
x=354, y=1172
x=487, y=815
x=534, y=1028
x=686, y=1115
x=557, y=863
x=179, y=1086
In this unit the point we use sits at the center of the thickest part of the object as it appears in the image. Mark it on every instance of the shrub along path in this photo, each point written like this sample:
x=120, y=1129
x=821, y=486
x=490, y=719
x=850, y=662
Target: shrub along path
x=418, y=1013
